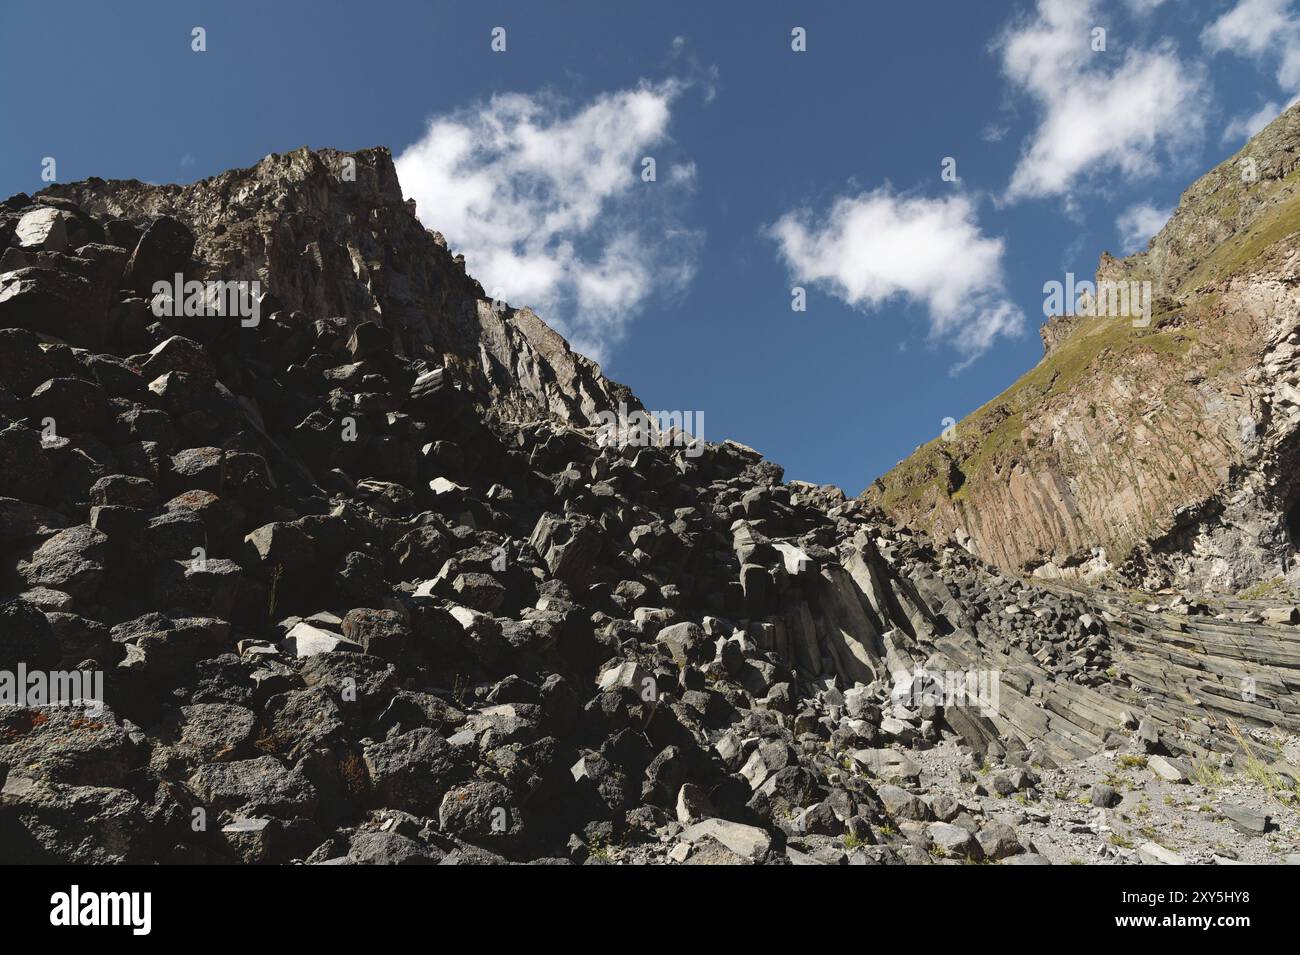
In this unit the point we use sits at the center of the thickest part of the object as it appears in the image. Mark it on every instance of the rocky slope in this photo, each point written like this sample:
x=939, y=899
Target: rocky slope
x=1163, y=454
x=333, y=236
x=365, y=584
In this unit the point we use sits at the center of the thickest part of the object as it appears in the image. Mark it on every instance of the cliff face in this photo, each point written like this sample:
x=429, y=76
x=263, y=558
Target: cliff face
x=330, y=235
x=347, y=613
x=1165, y=453
x=318, y=587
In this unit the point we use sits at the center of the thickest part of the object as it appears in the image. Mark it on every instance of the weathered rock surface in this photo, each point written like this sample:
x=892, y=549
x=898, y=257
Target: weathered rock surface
x=366, y=585
x=1163, y=453
x=348, y=251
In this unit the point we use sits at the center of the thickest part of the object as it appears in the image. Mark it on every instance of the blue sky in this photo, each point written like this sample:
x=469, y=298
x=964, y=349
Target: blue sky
x=774, y=168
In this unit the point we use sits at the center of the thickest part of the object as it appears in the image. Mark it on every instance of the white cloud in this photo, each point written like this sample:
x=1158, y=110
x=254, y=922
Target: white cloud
x=1251, y=27
x=1263, y=30
x=1247, y=125
x=993, y=133
x=1138, y=223
x=547, y=203
x=1112, y=112
x=876, y=247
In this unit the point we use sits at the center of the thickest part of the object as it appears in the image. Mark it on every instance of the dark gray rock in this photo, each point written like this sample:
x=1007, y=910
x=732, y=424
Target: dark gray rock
x=26, y=637
x=411, y=771
x=481, y=811
x=255, y=786
x=71, y=560
x=1246, y=819
x=1104, y=796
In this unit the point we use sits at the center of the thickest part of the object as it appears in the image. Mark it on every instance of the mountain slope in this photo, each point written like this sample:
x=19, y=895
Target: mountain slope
x=357, y=582
x=331, y=234
x=1164, y=453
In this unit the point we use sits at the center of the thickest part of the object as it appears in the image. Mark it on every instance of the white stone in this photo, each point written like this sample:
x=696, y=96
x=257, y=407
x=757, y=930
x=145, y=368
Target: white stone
x=42, y=230
x=1151, y=853
x=796, y=559
x=1169, y=769
x=749, y=842
x=305, y=640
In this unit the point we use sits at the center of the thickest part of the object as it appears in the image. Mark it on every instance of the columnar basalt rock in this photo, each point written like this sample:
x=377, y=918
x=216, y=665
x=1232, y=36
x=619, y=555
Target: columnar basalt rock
x=331, y=238
x=367, y=583
x=1156, y=453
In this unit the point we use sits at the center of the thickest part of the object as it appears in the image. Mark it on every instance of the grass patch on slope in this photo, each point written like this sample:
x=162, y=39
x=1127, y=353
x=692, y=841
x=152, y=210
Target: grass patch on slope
x=992, y=434
x=1234, y=254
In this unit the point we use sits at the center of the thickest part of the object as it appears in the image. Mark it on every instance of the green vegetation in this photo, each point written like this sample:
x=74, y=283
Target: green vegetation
x=1266, y=589
x=1226, y=225
x=1278, y=785
x=1231, y=256
x=599, y=850
x=993, y=435
x=1207, y=774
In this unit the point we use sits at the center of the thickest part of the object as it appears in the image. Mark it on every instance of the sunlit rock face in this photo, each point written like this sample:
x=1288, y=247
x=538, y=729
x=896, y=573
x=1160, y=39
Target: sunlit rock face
x=1156, y=452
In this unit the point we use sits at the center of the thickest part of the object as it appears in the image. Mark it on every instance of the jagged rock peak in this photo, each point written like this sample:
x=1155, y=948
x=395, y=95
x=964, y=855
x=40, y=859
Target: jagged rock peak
x=1231, y=204
x=331, y=235
x=314, y=593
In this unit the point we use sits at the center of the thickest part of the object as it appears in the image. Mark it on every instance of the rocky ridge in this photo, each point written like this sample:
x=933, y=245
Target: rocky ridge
x=1157, y=455
x=366, y=584
x=333, y=236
